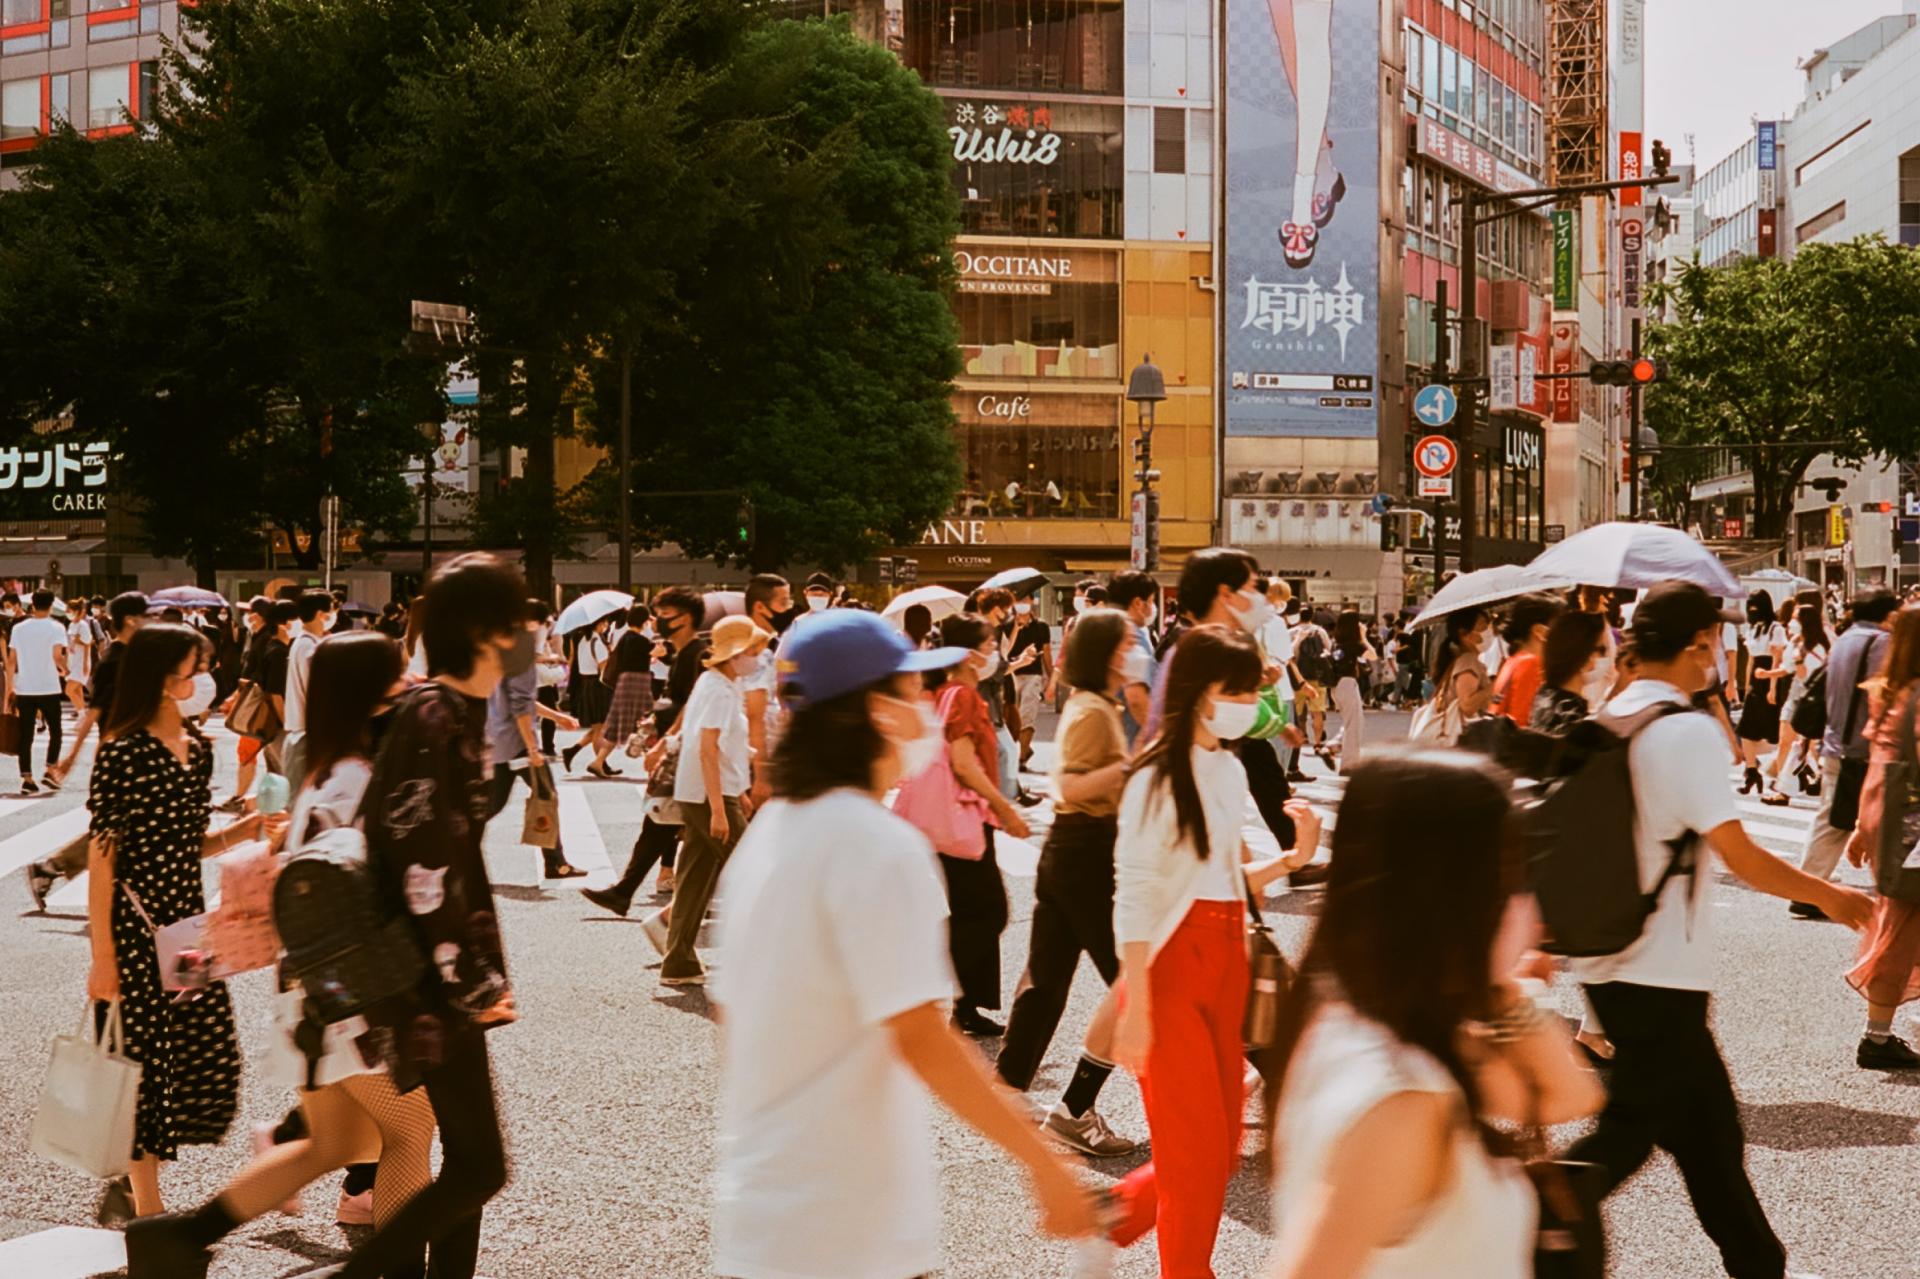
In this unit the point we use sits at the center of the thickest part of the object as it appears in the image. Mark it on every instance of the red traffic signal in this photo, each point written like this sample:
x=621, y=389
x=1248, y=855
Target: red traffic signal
x=1640, y=372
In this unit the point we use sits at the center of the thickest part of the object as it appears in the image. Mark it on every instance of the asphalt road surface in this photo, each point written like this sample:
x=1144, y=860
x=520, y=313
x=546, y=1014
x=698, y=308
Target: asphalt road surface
x=607, y=1087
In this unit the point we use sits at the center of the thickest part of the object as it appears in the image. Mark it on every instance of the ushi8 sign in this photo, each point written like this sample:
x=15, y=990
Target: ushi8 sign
x=1302, y=99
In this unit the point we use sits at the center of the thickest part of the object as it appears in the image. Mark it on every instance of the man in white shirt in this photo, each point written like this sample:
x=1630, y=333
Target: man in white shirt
x=36, y=674
x=1138, y=596
x=1669, y=1087
x=768, y=595
x=1276, y=641
x=316, y=622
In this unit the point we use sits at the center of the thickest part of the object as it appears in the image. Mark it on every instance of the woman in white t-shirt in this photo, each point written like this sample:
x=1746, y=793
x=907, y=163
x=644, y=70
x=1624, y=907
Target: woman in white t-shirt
x=1182, y=886
x=1404, y=1035
x=834, y=984
x=354, y=1115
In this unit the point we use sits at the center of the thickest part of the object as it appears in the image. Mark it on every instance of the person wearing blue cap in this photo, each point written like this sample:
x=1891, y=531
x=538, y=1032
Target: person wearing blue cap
x=833, y=987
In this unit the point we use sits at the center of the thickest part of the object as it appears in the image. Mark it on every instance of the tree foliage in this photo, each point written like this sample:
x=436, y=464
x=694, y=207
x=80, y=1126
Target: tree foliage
x=755, y=212
x=1782, y=361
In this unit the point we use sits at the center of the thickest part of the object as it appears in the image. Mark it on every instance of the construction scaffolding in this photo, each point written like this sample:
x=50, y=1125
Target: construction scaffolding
x=1577, y=69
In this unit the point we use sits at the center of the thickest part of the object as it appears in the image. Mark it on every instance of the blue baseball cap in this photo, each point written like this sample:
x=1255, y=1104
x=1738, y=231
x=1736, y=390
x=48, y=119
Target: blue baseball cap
x=843, y=649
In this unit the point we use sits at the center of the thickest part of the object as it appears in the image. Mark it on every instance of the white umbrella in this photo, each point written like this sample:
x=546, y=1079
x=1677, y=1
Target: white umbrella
x=1488, y=586
x=590, y=608
x=1017, y=580
x=1635, y=556
x=937, y=600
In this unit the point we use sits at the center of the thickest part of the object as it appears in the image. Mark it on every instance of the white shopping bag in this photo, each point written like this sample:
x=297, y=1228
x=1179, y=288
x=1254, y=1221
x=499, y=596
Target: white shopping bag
x=85, y=1120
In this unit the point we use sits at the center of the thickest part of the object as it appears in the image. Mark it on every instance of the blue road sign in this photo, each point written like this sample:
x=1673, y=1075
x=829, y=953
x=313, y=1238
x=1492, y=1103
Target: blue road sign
x=1435, y=405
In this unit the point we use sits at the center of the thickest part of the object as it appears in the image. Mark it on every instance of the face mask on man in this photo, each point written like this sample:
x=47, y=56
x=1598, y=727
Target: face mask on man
x=1133, y=665
x=989, y=663
x=1255, y=613
x=1022, y=608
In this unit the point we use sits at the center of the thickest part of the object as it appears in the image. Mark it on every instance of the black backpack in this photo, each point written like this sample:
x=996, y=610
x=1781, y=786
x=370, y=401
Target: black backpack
x=1583, y=862
x=343, y=943
x=1810, y=712
x=1311, y=658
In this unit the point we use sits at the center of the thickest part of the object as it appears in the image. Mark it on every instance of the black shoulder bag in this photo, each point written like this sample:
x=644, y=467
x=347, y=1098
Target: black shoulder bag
x=1853, y=772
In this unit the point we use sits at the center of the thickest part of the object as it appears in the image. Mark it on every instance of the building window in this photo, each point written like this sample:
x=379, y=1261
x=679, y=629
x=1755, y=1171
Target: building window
x=99, y=31
x=60, y=100
x=15, y=13
x=1037, y=168
x=1910, y=198
x=1832, y=154
x=1169, y=140
x=1036, y=457
x=1060, y=46
x=149, y=89
x=1038, y=313
x=107, y=89
x=20, y=108
x=1815, y=225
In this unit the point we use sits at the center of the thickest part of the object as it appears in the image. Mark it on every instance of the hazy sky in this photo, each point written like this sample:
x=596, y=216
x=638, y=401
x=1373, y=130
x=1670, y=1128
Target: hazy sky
x=1713, y=66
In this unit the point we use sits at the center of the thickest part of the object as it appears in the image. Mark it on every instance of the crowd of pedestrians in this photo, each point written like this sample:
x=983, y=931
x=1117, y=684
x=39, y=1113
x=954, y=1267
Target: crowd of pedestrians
x=840, y=786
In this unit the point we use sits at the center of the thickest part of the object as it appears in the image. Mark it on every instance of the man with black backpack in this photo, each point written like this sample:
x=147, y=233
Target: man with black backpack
x=1669, y=1087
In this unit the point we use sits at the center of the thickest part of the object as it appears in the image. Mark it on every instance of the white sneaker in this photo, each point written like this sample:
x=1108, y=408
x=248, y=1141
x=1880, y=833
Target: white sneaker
x=1093, y=1258
x=655, y=927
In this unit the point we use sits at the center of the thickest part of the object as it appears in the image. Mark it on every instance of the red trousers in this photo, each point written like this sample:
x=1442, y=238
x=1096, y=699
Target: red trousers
x=1194, y=1090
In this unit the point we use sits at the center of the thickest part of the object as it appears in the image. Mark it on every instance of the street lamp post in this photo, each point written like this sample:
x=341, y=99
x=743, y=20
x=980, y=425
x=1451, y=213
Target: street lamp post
x=1146, y=387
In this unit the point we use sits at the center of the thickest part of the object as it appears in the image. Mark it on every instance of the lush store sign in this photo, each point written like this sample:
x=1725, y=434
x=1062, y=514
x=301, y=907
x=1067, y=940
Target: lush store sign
x=1002, y=133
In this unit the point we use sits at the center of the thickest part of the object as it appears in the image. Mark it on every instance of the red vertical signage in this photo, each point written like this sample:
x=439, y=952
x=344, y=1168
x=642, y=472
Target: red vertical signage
x=1629, y=168
x=1563, y=354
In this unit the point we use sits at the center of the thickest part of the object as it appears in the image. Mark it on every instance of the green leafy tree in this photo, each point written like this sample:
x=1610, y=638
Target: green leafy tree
x=811, y=357
x=1782, y=361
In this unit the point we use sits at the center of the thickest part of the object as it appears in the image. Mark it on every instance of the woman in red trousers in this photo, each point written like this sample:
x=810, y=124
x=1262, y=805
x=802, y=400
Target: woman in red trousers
x=1181, y=890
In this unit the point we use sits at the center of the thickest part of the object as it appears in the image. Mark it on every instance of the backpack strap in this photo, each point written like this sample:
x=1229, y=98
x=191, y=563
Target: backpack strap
x=1683, y=851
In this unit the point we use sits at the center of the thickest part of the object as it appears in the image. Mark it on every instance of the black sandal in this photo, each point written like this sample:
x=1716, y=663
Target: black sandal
x=564, y=870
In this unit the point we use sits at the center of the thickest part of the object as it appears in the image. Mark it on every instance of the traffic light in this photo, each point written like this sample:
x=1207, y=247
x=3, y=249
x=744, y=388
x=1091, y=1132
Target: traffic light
x=743, y=527
x=1830, y=487
x=1662, y=159
x=1641, y=372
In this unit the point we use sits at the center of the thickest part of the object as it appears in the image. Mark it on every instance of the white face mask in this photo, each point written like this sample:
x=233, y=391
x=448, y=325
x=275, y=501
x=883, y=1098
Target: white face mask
x=918, y=754
x=816, y=603
x=1229, y=720
x=1153, y=614
x=1079, y=603
x=1133, y=665
x=1257, y=612
x=1022, y=608
x=197, y=702
x=989, y=663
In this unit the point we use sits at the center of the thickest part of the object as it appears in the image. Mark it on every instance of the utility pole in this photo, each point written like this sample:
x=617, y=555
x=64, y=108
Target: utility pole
x=626, y=471
x=1470, y=364
x=1633, y=434
x=1442, y=357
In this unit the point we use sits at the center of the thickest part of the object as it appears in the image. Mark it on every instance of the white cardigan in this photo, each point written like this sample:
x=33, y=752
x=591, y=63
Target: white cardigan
x=1157, y=877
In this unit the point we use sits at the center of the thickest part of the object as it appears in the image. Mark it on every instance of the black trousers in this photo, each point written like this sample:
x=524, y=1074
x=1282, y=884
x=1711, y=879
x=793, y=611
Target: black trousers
x=977, y=915
x=445, y=1217
x=1267, y=781
x=1670, y=1089
x=548, y=697
x=1072, y=915
x=656, y=843
x=38, y=706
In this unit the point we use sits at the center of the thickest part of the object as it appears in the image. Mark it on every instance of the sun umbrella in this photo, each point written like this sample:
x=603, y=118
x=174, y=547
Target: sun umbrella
x=1636, y=556
x=1018, y=580
x=187, y=597
x=1487, y=586
x=590, y=608
x=938, y=600
x=721, y=604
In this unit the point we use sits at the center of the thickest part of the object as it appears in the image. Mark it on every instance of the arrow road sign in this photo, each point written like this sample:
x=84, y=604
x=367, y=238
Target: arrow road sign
x=1435, y=405
x=1435, y=456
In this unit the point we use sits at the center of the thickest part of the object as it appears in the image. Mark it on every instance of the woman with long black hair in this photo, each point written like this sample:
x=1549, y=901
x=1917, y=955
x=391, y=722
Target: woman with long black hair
x=1352, y=655
x=426, y=811
x=151, y=805
x=353, y=1114
x=1182, y=886
x=1765, y=640
x=1404, y=1035
x=1807, y=649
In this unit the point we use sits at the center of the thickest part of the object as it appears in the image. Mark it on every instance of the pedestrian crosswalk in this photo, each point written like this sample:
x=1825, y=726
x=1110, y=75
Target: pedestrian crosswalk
x=64, y=1252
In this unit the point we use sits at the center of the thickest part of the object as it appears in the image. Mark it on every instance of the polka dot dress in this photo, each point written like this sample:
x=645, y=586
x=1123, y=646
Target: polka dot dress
x=157, y=813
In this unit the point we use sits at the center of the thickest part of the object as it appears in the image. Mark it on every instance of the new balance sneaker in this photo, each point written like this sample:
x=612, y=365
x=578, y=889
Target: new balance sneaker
x=1891, y=1053
x=1088, y=1134
x=355, y=1210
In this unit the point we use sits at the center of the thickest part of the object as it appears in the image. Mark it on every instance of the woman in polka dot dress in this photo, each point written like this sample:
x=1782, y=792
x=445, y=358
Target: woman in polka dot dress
x=150, y=802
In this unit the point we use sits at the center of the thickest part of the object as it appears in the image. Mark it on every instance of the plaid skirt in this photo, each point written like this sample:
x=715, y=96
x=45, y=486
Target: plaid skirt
x=632, y=702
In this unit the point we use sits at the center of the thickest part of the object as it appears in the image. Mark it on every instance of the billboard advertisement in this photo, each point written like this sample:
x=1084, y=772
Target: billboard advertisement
x=1566, y=267
x=1303, y=130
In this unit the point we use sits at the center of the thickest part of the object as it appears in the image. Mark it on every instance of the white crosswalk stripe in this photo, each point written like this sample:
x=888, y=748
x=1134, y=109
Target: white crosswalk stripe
x=64, y=1252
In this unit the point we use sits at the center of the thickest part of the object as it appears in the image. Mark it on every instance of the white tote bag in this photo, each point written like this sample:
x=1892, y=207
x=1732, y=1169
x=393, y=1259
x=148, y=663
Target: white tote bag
x=85, y=1120
x=1437, y=725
